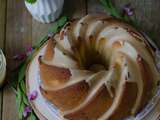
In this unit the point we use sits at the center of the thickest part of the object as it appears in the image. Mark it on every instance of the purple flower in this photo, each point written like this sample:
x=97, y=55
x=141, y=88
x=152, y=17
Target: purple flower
x=29, y=50
x=128, y=10
x=33, y=95
x=26, y=111
x=20, y=56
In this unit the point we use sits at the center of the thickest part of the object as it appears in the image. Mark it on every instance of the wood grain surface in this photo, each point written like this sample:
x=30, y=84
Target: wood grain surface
x=18, y=36
x=19, y=30
x=147, y=13
x=2, y=39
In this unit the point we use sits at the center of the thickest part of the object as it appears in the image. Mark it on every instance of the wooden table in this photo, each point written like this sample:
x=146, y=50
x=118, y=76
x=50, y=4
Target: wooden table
x=19, y=30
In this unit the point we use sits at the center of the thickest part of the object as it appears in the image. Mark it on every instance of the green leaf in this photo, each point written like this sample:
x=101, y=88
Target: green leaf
x=111, y=9
x=22, y=86
x=32, y=116
x=31, y=1
x=59, y=24
x=21, y=73
x=19, y=96
x=25, y=100
x=21, y=109
x=23, y=92
x=39, y=44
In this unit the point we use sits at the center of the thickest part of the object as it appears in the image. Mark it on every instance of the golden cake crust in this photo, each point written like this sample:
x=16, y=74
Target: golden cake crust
x=98, y=67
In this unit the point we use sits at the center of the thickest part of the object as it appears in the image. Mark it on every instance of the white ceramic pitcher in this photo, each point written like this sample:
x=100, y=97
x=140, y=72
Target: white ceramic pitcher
x=45, y=11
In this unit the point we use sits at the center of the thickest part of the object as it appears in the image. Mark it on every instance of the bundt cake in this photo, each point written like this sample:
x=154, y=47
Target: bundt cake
x=98, y=67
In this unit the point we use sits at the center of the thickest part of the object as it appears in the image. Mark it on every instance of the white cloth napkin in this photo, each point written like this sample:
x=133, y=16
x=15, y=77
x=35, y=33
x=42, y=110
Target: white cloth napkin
x=2, y=67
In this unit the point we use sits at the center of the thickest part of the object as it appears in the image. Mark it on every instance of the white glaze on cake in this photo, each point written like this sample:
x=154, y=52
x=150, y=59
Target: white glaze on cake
x=121, y=59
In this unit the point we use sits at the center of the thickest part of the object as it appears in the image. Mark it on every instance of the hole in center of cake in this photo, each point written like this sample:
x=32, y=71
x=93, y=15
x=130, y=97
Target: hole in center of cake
x=89, y=58
x=95, y=63
x=97, y=67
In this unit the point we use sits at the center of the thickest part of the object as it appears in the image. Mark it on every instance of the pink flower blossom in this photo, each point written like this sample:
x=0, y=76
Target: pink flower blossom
x=33, y=95
x=20, y=56
x=26, y=111
x=29, y=50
